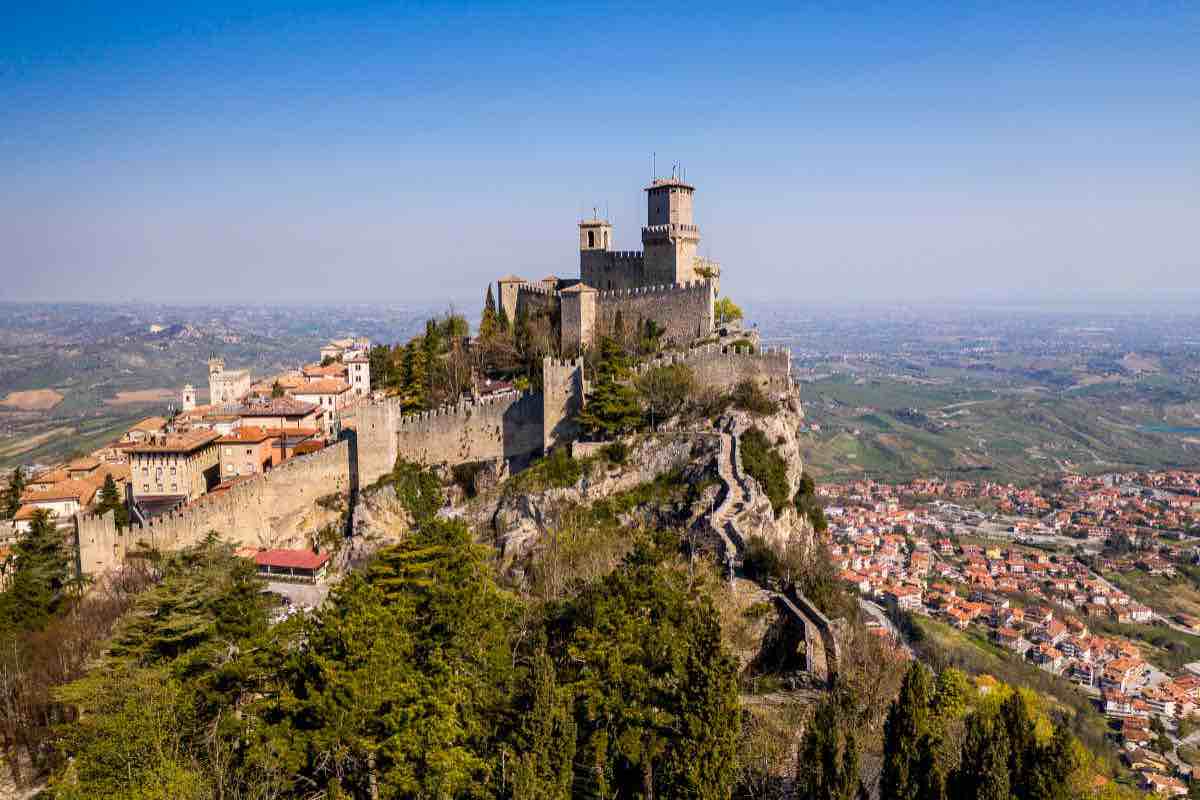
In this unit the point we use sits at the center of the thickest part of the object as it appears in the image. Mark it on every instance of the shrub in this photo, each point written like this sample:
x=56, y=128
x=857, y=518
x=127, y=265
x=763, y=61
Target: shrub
x=766, y=466
x=616, y=452
x=749, y=396
x=760, y=562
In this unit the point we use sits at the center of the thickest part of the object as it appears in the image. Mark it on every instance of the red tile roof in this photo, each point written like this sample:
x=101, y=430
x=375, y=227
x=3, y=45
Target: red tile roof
x=295, y=559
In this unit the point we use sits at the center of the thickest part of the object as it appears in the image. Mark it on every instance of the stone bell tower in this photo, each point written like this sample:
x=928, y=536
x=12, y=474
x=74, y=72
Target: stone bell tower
x=670, y=238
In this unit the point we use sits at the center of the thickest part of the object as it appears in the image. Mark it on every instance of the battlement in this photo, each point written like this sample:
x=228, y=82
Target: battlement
x=626, y=255
x=562, y=363
x=464, y=409
x=712, y=350
x=533, y=288
x=670, y=288
x=722, y=367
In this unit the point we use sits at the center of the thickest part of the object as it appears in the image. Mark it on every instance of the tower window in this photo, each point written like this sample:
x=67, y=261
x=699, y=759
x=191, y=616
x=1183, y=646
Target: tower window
x=591, y=238
x=606, y=240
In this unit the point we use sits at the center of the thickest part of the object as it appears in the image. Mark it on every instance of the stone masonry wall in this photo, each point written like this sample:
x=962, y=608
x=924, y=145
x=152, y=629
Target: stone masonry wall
x=723, y=367
x=259, y=512
x=684, y=310
x=503, y=427
x=562, y=398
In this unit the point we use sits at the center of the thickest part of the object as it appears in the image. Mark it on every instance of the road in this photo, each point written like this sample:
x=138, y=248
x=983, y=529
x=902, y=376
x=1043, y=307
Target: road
x=876, y=611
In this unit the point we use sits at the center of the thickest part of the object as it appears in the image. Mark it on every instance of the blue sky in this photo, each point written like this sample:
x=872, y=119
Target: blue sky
x=865, y=152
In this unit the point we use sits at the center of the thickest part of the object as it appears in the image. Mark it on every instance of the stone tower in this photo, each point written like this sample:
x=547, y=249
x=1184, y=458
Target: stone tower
x=189, y=397
x=670, y=238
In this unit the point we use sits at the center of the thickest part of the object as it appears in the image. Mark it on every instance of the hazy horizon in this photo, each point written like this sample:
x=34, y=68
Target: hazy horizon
x=316, y=153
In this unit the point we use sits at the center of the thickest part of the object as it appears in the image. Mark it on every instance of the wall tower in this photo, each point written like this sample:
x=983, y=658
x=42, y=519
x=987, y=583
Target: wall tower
x=189, y=397
x=670, y=238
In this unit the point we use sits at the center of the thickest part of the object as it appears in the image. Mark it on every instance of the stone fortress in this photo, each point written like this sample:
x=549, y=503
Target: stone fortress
x=666, y=282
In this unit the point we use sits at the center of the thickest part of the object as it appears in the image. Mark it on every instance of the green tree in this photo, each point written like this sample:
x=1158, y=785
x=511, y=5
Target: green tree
x=277, y=390
x=766, y=466
x=656, y=691
x=489, y=323
x=828, y=759
x=907, y=722
x=543, y=747
x=41, y=577
x=725, y=310
x=110, y=500
x=983, y=773
x=612, y=406
x=665, y=390
x=12, y=494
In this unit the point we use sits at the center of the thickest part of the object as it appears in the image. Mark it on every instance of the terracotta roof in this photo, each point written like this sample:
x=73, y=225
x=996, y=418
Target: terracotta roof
x=150, y=424
x=80, y=489
x=177, y=442
x=332, y=370
x=277, y=407
x=296, y=559
x=49, y=476
x=510, y=278
x=324, y=386
x=87, y=463
x=578, y=288
x=247, y=434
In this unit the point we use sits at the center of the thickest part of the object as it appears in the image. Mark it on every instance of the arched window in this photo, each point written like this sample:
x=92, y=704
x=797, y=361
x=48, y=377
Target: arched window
x=591, y=238
x=606, y=240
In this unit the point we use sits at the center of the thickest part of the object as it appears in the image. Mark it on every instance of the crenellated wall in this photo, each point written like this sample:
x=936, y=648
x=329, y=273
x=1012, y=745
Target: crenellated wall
x=685, y=311
x=502, y=427
x=562, y=398
x=722, y=366
x=534, y=299
x=258, y=512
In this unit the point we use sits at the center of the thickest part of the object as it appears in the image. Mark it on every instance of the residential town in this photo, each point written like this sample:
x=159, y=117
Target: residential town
x=1012, y=565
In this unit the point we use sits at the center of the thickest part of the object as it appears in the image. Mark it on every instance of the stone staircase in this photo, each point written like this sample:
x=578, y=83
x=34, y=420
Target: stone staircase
x=736, y=498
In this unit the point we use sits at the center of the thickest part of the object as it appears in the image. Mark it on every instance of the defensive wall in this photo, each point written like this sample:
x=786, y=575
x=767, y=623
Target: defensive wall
x=724, y=366
x=249, y=513
x=612, y=269
x=563, y=390
x=685, y=311
x=534, y=299
x=262, y=511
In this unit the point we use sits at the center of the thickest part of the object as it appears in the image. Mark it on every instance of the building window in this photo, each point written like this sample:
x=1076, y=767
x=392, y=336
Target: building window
x=591, y=238
x=145, y=487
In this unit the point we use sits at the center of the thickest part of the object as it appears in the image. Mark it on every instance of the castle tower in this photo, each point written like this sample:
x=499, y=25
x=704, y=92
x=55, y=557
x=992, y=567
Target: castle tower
x=189, y=397
x=577, y=321
x=670, y=238
x=595, y=237
x=506, y=291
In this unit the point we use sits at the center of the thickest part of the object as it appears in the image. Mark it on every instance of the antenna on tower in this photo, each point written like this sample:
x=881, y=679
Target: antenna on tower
x=653, y=168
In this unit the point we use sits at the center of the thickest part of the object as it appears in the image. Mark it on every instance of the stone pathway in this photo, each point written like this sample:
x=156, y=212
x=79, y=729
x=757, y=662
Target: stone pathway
x=735, y=499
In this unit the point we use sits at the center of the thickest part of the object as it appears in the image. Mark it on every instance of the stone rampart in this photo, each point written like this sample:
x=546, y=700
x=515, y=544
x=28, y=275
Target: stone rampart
x=504, y=427
x=685, y=311
x=563, y=390
x=722, y=367
x=258, y=512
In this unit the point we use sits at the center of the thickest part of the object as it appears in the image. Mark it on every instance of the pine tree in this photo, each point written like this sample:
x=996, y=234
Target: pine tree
x=42, y=574
x=907, y=722
x=612, y=406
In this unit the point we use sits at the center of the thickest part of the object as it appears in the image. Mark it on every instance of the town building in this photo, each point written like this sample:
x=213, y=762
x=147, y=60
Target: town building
x=247, y=451
x=176, y=465
x=226, y=386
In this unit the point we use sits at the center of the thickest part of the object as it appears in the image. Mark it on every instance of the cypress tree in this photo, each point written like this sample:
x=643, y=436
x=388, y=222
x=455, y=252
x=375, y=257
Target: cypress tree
x=829, y=759
x=1016, y=719
x=110, y=500
x=12, y=495
x=907, y=722
x=983, y=772
x=612, y=406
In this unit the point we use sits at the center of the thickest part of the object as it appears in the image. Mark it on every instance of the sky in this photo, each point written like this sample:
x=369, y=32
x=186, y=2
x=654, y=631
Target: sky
x=860, y=152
